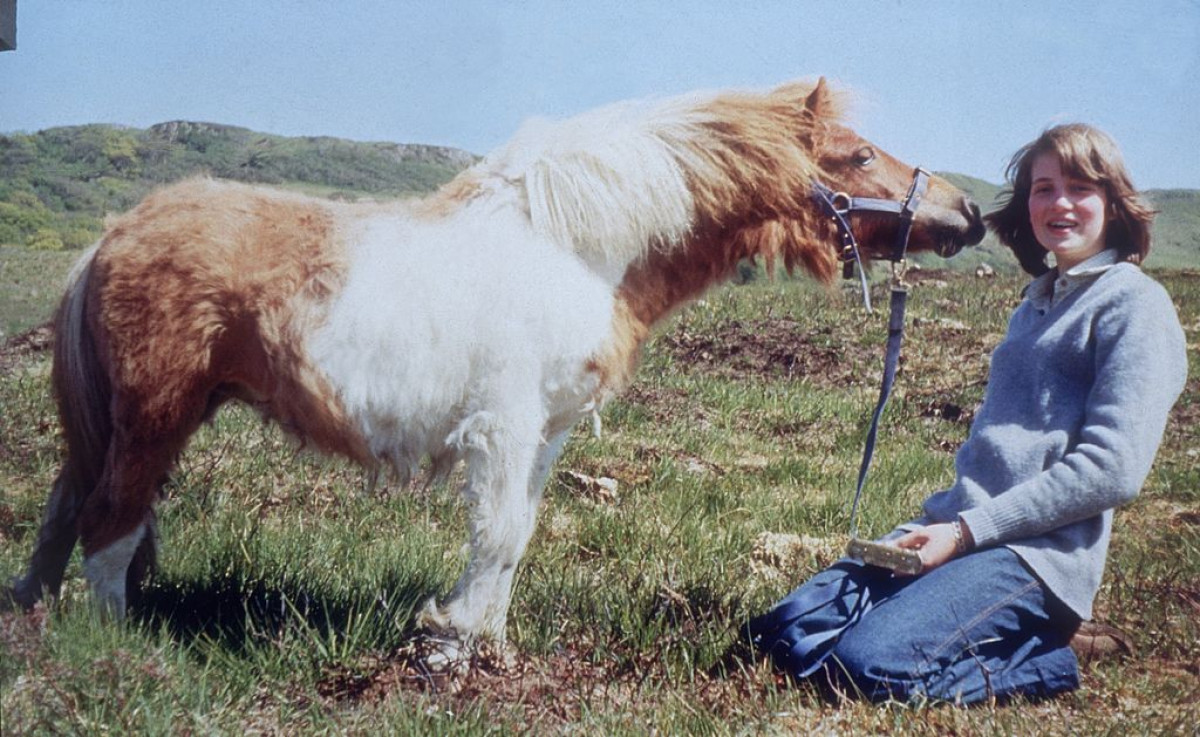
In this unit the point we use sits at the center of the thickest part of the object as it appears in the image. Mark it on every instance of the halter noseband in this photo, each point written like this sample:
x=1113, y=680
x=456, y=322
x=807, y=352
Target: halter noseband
x=839, y=206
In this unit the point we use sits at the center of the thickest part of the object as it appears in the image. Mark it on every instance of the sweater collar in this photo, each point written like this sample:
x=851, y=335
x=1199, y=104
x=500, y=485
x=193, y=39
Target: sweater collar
x=1052, y=287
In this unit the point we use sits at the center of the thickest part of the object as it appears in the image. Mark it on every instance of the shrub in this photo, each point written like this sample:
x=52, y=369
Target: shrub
x=45, y=239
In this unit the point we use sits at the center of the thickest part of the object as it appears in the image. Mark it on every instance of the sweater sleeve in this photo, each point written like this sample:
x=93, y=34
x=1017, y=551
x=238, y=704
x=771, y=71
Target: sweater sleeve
x=1140, y=370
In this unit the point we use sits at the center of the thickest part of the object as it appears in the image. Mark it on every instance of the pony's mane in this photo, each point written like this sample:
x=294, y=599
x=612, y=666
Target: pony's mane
x=620, y=179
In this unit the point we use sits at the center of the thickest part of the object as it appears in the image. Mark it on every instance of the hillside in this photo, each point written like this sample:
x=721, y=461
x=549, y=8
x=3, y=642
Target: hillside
x=57, y=185
x=1176, y=229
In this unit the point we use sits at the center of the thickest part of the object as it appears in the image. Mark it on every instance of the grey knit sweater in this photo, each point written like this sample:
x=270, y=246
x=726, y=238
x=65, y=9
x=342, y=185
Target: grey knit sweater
x=1075, y=407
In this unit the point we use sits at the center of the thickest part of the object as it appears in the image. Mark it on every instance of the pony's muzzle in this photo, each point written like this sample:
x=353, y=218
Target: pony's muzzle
x=952, y=243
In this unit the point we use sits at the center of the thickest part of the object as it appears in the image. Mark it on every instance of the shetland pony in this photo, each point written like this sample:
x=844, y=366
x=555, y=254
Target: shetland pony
x=476, y=325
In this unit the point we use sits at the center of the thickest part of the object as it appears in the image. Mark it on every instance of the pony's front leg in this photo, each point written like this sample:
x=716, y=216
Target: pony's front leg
x=505, y=473
x=547, y=454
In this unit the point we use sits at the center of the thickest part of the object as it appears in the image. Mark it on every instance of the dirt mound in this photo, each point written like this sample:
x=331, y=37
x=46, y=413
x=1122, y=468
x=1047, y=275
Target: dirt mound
x=776, y=347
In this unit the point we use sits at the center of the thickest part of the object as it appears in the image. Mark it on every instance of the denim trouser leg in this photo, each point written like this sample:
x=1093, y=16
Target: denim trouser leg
x=979, y=626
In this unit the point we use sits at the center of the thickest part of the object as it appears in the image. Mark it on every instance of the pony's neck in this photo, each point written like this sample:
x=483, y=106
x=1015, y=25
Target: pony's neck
x=665, y=279
x=662, y=281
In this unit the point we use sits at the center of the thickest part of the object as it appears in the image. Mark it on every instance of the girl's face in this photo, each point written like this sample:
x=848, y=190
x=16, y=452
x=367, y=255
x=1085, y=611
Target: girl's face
x=1068, y=215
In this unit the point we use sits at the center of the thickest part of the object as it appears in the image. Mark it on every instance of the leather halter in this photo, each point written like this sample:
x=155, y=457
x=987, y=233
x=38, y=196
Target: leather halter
x=838, y=206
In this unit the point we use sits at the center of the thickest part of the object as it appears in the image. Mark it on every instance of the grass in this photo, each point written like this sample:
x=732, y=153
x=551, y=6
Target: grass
x=30, y=284
x=285, y=597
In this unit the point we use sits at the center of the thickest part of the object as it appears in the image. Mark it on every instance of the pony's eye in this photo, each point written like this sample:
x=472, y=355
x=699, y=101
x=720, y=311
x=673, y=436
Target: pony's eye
x=864, y=156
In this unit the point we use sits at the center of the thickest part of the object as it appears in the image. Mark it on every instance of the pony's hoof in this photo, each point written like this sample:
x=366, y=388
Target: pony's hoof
x=443, y=652
x=445, y=648
x=19, y=597
x=439, y=645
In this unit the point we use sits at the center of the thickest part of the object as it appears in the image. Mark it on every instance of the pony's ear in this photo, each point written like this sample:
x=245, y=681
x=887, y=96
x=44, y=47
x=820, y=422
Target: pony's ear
x=818, y=105
x=820, y=100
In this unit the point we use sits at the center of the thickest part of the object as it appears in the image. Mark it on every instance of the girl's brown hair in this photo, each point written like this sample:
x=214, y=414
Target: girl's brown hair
x=1085, y=153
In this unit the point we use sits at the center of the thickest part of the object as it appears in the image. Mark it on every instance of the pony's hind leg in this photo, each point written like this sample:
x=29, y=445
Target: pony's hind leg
x=144, y=562
x=55, y=541
x=59, y=531
x=116, y=525
x=83, y=393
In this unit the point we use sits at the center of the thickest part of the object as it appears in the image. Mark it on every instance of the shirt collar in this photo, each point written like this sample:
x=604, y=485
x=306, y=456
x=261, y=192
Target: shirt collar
x=1052, y=287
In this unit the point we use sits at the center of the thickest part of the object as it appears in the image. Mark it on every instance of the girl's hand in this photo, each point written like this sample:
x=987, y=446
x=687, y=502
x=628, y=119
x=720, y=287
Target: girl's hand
x=935, y=543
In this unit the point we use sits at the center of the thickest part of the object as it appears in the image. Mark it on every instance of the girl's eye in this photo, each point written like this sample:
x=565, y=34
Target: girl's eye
x=864, y=156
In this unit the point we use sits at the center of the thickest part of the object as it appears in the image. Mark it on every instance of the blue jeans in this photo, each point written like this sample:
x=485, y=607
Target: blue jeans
x=981, y=626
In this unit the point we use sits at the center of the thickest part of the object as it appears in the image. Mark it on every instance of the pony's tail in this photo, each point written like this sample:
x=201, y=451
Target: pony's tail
x=83, y=391
x=81, y=382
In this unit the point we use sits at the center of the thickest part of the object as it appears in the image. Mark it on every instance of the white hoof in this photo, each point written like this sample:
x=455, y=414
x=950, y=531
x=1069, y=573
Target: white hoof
x=444, y=653
x=441, y=647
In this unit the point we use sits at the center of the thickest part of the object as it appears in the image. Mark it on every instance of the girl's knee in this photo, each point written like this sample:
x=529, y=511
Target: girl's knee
x=877, y=666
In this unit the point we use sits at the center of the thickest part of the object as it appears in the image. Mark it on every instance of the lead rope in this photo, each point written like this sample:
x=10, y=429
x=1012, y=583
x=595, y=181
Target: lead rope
x=880, y=554
x=862, y=277
x=837, y=206
x=899, y=300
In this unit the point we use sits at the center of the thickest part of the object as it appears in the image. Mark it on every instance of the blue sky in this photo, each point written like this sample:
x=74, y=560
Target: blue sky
x=953, y=85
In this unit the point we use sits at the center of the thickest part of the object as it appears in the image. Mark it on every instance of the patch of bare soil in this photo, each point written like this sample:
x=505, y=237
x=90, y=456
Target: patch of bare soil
x=776, y=347
x=29, y=343
x=783, y=349
x=546, y=692
x=664, y=405
x=941, y=409
x=21, y=632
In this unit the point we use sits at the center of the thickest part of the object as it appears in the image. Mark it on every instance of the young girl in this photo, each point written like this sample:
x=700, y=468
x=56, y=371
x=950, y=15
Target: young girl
x=1074, y=411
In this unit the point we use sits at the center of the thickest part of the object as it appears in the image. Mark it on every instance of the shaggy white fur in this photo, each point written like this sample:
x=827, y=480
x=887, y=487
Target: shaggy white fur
x=478, y=353
x=611, y=182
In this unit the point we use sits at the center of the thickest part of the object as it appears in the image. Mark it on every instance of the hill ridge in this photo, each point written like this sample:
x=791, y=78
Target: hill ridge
x=57, y=185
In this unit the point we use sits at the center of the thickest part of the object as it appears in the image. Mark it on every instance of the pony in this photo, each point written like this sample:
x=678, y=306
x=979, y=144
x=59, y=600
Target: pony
x=476, y=325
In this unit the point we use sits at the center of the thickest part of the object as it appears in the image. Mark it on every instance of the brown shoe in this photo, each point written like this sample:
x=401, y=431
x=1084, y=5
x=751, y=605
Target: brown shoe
x=1093, y=641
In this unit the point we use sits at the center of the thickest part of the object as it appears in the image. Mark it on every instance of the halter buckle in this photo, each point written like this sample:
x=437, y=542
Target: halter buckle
x=899, y=271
